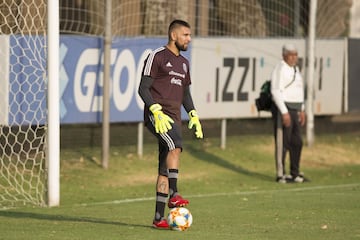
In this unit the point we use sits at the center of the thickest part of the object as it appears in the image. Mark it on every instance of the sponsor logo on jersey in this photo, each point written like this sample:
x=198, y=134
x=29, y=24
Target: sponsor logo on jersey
x=176, y=81
x=177, y=74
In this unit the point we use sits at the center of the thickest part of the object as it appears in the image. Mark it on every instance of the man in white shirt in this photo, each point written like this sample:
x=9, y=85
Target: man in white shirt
x=287, y=89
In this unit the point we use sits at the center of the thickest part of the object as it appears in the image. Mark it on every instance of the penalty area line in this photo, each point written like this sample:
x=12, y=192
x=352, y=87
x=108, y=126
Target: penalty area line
x=236, y=193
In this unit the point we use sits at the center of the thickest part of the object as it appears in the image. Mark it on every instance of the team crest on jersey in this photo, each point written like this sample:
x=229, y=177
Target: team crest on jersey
x=184, y=67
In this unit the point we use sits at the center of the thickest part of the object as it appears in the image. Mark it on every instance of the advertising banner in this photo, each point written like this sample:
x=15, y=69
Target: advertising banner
x=27, y=80
x=228, y=73
x=81, y=78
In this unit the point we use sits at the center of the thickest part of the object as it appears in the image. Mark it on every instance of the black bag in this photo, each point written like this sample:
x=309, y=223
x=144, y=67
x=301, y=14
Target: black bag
x=264, y=101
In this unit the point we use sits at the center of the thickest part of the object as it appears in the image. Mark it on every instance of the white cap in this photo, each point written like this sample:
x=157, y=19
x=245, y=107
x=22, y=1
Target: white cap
x=289, y=47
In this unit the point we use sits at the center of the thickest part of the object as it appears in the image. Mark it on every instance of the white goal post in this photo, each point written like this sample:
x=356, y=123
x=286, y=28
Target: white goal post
x=53, y=149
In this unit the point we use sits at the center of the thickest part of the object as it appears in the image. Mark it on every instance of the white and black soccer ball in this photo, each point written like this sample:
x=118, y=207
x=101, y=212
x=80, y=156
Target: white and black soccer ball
x=180, y=219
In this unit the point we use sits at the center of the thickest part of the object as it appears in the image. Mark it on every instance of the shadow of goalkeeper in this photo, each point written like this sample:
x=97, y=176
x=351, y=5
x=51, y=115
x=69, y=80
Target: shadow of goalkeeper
x=213, y=159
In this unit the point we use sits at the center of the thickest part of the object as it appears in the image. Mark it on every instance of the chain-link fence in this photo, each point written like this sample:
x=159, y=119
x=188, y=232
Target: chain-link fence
x=240, y=18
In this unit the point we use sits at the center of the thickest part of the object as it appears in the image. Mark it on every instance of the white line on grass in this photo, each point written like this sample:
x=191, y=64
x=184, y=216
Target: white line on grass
x=132, y=200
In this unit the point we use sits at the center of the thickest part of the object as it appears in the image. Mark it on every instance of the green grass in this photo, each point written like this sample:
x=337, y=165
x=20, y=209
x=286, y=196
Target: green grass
x=232, y=192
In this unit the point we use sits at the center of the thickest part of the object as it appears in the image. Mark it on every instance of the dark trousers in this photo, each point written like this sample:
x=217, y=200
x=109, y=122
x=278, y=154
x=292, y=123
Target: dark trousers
x=287, y=139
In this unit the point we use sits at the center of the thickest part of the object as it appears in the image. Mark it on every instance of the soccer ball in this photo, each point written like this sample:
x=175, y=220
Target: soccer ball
x=179, y=219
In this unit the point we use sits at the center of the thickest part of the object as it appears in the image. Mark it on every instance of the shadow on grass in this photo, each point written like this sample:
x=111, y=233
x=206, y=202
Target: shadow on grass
x=62, y=218
x=210, y=158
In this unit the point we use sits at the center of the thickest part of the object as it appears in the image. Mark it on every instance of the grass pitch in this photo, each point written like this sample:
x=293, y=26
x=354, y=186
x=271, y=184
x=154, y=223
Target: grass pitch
x=232, y=193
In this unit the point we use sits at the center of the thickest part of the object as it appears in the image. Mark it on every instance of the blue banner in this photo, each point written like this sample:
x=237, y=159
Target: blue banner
x=27, y=97
x=81, y=79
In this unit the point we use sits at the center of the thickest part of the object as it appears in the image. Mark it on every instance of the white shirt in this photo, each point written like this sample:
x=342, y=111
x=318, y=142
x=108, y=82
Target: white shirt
x=281, y=91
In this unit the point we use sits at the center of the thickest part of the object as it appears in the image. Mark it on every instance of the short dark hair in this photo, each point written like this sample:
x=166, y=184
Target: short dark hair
x=176, y=23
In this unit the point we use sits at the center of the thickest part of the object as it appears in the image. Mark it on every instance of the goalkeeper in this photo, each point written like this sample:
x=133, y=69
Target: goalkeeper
x=164, y=88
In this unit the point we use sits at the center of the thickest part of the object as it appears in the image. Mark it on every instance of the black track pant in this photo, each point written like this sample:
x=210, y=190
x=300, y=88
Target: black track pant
x=287, y=139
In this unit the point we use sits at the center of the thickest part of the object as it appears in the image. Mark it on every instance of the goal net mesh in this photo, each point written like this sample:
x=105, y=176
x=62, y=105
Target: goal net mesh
x=23, y=103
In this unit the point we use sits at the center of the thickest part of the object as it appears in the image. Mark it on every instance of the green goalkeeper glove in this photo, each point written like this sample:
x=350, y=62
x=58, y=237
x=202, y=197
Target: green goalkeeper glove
x=194, y=121
x=162, y=121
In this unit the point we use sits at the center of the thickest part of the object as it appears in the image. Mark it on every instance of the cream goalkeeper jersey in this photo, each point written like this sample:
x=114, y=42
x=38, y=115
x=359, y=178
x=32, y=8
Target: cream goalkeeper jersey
x=287, y=86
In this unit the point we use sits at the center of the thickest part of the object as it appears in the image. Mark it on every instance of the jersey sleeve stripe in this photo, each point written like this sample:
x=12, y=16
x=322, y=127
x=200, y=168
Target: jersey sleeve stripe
x=149, y=62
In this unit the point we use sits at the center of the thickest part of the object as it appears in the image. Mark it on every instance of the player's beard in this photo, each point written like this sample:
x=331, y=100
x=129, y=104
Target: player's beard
x=180, y=47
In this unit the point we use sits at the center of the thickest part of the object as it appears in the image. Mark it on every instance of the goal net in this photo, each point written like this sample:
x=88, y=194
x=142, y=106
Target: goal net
x=23, y=115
